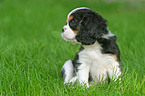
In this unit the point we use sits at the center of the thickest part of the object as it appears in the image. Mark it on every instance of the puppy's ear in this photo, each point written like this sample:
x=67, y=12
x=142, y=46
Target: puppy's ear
x=92, y=26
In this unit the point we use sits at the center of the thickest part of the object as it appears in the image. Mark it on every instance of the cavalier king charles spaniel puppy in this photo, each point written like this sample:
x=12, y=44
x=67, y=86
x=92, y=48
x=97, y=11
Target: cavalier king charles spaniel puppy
x=98, y=57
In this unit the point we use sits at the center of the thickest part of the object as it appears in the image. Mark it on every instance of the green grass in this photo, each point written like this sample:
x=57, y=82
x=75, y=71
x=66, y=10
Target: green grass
x=32, y=51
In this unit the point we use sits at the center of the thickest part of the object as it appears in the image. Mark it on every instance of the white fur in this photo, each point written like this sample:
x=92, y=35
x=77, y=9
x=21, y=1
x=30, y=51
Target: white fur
x=69, y=35
x=98, y=64
x=76, y=10
x=68, y=67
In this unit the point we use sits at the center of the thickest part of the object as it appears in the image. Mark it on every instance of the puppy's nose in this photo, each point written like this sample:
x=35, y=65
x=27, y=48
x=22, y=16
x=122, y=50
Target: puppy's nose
x=63, y=30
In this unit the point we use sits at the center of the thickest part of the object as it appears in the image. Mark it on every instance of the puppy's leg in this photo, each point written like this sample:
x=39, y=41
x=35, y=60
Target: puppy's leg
x=67, y=71
x=83, y=74
x=73, y=80
x=115, y=72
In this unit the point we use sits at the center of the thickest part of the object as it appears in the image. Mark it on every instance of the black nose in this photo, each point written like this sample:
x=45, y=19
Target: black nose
x=63, y=30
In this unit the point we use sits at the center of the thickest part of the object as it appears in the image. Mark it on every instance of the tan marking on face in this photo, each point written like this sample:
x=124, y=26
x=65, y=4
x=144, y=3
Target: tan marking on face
x=70, y=18
x=114, y=56
x=76, y=32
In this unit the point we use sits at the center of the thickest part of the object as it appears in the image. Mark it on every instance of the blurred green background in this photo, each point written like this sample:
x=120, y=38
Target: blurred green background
x=32, y=51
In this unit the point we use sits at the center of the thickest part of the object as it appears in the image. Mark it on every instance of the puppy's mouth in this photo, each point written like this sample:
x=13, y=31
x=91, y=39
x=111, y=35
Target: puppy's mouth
x=72, y=40
x=66, y=39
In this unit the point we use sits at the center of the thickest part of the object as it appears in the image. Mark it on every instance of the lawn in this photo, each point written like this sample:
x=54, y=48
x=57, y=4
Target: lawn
x=32, y=51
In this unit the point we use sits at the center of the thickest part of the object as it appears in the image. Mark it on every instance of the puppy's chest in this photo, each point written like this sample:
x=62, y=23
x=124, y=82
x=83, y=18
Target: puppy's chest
x=94, y=58
x=90, y=56
x=96, y=62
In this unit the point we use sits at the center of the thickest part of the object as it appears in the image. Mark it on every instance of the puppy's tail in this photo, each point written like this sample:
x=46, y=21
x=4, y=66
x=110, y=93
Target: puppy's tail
x=67, y=71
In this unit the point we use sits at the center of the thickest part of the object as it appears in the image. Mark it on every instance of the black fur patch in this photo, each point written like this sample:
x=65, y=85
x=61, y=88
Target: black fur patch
x=91, y=26
x=109, y=46
x=74, y=23
x=75, y=60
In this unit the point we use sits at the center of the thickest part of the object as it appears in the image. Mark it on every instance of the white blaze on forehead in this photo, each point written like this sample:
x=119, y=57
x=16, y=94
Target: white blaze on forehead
x=76, y=10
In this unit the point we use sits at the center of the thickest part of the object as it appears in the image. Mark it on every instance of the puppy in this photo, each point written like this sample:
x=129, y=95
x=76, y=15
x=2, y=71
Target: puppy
x=98, y=57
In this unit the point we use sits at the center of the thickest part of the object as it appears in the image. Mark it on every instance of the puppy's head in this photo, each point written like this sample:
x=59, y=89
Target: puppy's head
x=84, y=26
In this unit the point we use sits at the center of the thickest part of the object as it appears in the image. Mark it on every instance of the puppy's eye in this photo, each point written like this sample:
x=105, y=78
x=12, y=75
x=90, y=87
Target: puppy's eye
x=72, y=23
